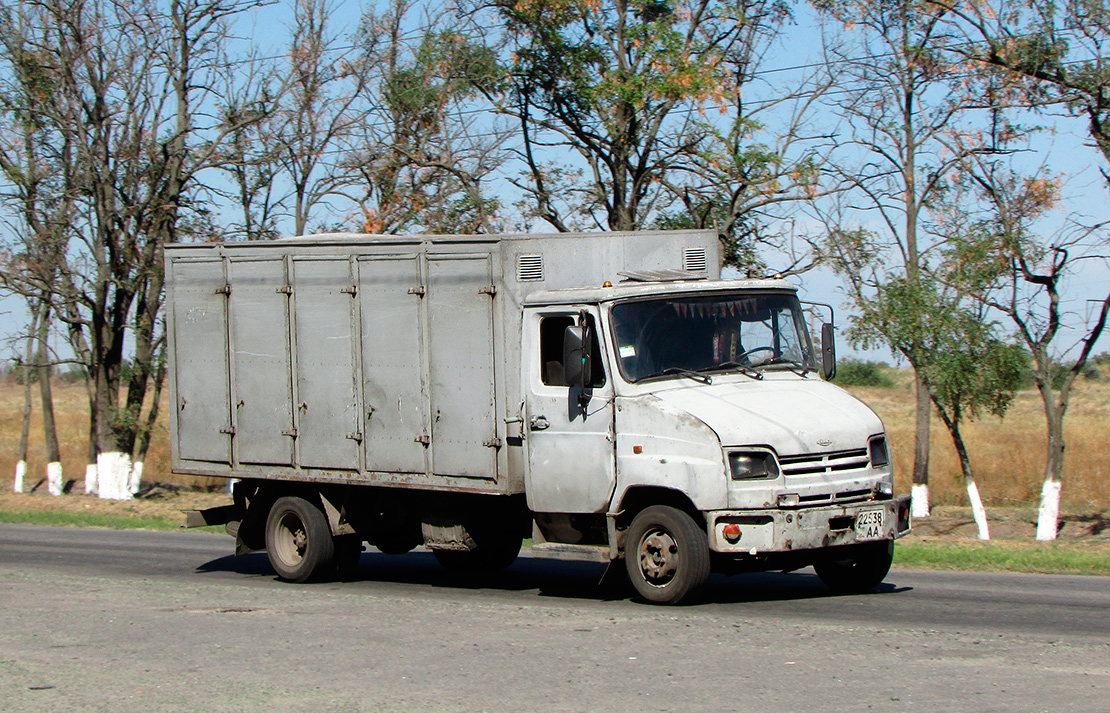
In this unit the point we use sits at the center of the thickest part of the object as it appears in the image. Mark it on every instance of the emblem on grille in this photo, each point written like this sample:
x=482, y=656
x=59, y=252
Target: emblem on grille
x=824, y=442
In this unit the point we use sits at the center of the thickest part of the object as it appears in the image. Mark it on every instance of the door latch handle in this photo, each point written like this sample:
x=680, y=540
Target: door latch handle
x=538, y=423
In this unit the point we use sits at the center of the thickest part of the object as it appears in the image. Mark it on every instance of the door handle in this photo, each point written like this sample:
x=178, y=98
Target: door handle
x=538, y=423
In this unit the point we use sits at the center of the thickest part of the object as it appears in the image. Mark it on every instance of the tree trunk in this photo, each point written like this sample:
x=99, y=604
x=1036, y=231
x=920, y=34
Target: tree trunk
x=952, y=423
x=1048, y=515
x=54, y=482
x=920, y=489
x=91, y=484
x=24, y=371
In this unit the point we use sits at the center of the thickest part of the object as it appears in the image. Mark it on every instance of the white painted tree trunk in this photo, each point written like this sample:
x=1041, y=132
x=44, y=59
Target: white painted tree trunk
x=978, y=511
x=20, y=474
x=90, y=479
x=113, y=470
x=919, y=500
x=1048, y=518
x=54, y=482
x=136, y=478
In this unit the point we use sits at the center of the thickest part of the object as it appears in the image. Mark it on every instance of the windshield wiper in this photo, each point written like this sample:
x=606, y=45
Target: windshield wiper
x=688, y=373
x=745, y=369
x=795, y=366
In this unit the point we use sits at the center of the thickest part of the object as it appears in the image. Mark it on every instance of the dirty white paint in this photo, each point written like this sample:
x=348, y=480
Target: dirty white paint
x=978, y=511
x=1049, y=514
x=20, y=474
x=919, y=495
x=90, y=479
x=113, y=475
x=54, y=482
x=136, y=478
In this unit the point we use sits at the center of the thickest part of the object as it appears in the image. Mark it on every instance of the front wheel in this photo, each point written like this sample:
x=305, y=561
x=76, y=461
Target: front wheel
x=298, y=540
x=858, y=570
x=666, y=555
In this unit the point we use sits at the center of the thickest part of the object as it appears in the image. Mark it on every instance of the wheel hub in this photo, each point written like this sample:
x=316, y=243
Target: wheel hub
x=293, y=540
x=658, y=557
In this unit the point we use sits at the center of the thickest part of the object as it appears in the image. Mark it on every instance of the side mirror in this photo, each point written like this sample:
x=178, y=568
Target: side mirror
x=577, y=358
x=828, y=352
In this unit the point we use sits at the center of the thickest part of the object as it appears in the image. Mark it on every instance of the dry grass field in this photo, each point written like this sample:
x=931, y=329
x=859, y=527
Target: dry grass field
x=1007, y=455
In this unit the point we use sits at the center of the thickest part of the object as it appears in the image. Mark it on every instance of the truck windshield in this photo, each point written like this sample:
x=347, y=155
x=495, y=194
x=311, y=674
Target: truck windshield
x=706, y=333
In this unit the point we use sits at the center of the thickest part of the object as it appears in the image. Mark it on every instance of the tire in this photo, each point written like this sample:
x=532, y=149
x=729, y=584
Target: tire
x=859, y=570
x=666, y=555
x=298, y=540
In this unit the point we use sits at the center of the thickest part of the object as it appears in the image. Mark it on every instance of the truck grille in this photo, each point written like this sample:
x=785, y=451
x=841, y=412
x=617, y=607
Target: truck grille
x=812, y=463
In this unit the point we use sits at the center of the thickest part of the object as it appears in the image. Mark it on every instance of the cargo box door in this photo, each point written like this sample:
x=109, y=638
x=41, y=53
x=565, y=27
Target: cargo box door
x=202, y=418
x=461, y=353
x=262, y=398
x=326, y=404
x=394, y=393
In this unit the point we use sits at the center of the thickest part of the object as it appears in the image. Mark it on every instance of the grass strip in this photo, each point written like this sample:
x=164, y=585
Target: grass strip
x=1005, y=556
x=108, y=522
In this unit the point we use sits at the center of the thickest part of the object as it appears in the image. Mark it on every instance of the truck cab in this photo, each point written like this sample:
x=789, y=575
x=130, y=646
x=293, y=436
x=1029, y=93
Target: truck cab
x=665, y=417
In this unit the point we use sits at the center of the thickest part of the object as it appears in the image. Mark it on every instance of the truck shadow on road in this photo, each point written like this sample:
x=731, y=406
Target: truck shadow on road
x=549, y=578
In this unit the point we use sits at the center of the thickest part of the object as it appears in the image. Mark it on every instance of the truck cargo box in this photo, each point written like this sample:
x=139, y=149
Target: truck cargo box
x=366, y=359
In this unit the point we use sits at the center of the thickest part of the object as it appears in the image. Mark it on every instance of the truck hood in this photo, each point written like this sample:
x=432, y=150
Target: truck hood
x=793, y=417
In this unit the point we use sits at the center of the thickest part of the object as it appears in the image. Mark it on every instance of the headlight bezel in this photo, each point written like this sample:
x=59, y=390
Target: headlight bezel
x=878, y=452
x=753, y=464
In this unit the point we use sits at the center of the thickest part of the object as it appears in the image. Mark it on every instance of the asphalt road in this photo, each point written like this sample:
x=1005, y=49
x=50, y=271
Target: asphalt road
x=94, y=620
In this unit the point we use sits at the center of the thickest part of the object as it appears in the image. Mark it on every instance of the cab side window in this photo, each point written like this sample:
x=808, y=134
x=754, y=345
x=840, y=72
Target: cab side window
x=552, y=372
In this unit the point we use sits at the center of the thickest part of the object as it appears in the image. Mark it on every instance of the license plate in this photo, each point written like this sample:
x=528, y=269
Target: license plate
x=869, y=525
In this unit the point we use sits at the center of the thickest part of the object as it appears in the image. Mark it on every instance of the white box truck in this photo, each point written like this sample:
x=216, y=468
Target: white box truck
x=606, y=395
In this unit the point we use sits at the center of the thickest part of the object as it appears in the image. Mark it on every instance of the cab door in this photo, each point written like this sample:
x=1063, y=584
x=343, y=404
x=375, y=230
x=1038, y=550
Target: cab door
x=569, y=434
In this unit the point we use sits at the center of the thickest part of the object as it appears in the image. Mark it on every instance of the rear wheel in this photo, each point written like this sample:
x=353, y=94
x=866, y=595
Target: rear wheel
x=858, y=570
x=298, y=540
x=666, y=555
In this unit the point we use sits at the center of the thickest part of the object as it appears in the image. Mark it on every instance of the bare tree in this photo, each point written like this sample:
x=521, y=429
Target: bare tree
x=24, y=370
x=1054, y=55
x=322, y=108
x=126, y=85
x=32, y=162
x=901, y=104
x=1025, y=275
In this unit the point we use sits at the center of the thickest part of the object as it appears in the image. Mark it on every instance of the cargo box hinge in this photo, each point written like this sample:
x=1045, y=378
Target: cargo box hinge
x=493, y=443
x=418, y=291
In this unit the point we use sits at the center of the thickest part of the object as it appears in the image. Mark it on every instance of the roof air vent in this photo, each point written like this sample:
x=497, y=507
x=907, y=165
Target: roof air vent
x=529, y=268
x=694, y=260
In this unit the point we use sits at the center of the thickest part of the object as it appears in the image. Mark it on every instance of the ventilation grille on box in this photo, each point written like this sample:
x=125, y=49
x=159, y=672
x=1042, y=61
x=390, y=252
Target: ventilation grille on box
x=529, y=268
x=694, y=260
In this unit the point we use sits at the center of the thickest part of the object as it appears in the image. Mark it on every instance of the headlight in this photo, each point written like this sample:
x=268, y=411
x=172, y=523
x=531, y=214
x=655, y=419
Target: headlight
x=880, y=454
x=753, y=465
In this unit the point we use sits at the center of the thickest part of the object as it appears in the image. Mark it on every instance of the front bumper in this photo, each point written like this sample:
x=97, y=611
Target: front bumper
x=789, y=530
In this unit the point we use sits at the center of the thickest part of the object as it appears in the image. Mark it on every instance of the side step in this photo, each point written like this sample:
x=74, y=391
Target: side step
x=575, y=553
